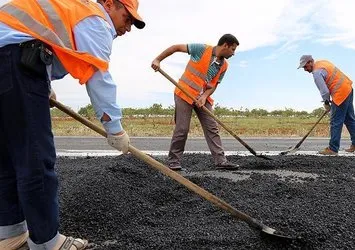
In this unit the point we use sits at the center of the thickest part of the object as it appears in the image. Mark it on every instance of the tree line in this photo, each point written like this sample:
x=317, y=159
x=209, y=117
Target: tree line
x=158, y=110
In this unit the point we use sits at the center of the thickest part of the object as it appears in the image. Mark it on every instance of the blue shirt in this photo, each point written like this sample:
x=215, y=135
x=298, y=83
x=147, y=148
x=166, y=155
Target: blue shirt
x=319, y=76
x=95, y=36
x=195, y=51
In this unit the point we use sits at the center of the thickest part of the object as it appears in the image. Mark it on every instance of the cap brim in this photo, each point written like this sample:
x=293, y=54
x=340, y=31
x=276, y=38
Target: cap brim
x=139, y=24
x=138, y=21
x=301, y=65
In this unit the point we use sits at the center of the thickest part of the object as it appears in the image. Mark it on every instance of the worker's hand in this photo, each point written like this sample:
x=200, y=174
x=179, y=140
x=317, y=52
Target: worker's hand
x=119, y=141
x=200, y=102
x=326, y=105
x=156, y=64
x=52, y=95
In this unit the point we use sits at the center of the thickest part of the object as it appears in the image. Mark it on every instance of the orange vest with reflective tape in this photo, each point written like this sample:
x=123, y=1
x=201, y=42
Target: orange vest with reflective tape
x=194, y=78
x=338, y=83
x=53, y=21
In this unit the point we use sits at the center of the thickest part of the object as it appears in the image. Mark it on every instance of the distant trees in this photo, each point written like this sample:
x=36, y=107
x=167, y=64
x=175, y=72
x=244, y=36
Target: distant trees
x=157, y=109
x=57, y=113
x=259, y=112
x=87, y=111
x=218, y=110
x=317, y=112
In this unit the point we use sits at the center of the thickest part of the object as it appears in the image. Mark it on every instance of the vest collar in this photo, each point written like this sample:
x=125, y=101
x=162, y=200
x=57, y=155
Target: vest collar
x=214, y=57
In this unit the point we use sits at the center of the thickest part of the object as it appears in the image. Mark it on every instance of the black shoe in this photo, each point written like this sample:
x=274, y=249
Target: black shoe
x=175, y=167
x=227, y=165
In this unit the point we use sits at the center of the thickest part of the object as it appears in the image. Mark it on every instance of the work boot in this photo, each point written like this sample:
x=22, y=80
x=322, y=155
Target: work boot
x=351, y=149
x=70, y=243
x=175, y=167
x=327, y=151
x=15, y=243
x=227, y=165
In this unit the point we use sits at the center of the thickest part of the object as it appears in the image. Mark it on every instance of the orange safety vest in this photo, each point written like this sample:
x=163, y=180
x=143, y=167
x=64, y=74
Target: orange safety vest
x=194, y=79
x=53, y=21
x=338, y=83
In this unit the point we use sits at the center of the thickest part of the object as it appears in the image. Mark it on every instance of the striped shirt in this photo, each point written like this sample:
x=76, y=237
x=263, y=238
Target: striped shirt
x=196, y=51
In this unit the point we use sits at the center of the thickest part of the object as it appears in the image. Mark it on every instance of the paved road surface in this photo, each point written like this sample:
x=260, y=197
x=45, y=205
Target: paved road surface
x=64, y=144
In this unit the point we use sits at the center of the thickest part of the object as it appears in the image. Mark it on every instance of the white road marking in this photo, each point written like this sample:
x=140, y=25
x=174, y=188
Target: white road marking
x=240, y=175
x=98, y=153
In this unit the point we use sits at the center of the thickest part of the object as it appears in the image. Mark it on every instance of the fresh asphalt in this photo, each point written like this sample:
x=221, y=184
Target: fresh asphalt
x=121, y=203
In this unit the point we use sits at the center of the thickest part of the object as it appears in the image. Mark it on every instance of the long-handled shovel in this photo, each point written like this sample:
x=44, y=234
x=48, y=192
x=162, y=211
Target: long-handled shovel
x=292, y=150
x=213, y=116
x=265, y=230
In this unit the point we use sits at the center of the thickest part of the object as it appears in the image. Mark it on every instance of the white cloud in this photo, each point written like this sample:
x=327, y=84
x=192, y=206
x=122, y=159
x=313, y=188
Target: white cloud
x=172, y=22
x=336, y=23
x=255, y=23
x=243, y=64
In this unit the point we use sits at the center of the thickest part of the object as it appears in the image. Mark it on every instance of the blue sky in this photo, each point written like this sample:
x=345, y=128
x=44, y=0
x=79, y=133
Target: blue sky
x=275, y=83
x=272, y=34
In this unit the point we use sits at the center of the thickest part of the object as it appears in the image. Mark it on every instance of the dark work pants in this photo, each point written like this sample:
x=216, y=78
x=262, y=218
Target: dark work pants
x=183, y=113
x=342, y=114
x=28, y=182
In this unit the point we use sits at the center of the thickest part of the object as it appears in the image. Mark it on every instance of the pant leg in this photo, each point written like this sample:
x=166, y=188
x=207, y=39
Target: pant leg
x=337, y=118
x=211, y=132
x=25, y=118
x=12, y=220
x=350, y=118
x=183, y=112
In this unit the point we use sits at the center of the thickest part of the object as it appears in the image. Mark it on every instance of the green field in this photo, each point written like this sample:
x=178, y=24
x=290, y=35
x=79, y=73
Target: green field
x=242, y=126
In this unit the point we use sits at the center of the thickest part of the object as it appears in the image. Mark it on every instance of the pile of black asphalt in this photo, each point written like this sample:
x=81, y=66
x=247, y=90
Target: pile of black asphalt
x=122, y=203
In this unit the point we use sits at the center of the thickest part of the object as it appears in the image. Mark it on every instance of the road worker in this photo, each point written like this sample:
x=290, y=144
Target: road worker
x=203, y=73
x=337, y=94
x=42, y=41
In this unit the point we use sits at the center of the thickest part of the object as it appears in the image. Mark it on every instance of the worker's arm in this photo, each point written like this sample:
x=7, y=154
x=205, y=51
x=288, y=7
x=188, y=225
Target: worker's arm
x=319, y=77
x=168, y=52
x=95, y=36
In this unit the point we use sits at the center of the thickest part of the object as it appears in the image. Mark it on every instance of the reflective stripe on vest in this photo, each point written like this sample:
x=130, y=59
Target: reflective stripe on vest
x=191, y=84
x=62, y=40
x=335, y=71
x=52, y=22
x=195, y=72
x=331, y=79
x=56, y=22
x=194, y=78
x=338, y=83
